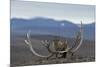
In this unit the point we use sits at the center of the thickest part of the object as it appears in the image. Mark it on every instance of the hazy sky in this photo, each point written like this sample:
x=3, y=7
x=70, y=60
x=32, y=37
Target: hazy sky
x=71, y=12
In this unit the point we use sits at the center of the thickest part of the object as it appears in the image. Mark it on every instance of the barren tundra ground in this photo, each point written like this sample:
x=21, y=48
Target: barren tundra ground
x=21, y=55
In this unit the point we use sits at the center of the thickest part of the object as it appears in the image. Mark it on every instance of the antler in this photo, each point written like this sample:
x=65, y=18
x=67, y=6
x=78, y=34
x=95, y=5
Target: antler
x=78, y=41
x=47, y=43
x=28, y=42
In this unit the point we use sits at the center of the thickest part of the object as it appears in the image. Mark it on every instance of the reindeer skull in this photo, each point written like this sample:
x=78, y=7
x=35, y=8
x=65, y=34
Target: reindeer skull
x=58, y=45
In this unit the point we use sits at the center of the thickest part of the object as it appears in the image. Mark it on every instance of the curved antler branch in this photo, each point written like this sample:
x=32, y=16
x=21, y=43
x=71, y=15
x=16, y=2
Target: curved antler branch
x=28, y=42
x=79, y=39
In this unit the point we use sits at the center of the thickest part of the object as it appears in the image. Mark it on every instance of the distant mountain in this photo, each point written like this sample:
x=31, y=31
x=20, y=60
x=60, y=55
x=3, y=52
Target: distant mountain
x=39, y=22
x=45, y=26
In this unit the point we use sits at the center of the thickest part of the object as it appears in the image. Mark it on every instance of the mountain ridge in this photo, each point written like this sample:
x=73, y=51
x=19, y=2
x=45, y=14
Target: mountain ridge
x=48, y=26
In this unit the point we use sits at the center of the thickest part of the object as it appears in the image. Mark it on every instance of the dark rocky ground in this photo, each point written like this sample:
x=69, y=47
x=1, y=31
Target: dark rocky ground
x=22, y=56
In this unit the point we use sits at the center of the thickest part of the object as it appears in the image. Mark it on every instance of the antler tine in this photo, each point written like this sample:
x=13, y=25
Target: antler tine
x=45, y=43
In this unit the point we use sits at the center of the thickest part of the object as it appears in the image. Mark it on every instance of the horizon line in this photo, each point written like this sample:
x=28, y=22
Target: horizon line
x=28, y=18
